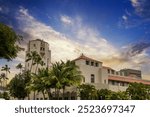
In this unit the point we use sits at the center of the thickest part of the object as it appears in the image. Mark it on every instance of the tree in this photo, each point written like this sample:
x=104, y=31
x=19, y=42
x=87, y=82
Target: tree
x=138, y=91
x=87, y=92
x=121, y=95
x=66, y=74
x=19, y=66
x=38, y=61
x=8, y=39
x=2, y=80
x=37, y=82
x=32, y=56
x=17, y=87
x=7, y=70
x=103, y=94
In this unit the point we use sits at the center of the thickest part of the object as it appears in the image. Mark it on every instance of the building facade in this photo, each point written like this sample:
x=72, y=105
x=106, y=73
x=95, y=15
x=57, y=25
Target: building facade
x=42, y=48
x=94, y=72
x=103, y=77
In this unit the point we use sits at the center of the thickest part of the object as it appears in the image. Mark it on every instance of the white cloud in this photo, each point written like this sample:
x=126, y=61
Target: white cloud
x=124, y=17
x=65, y=19
x=134, y=2
x=84, y=39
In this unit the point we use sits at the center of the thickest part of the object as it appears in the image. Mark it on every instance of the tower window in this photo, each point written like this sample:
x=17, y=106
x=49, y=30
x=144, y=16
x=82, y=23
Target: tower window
x=96, y=64
x=92, y=78
x=92, y=63
x=109, y=71
x=87, y=62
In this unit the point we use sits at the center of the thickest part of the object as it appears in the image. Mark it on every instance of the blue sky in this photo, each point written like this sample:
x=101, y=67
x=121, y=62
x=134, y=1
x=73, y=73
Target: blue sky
x=114, y=31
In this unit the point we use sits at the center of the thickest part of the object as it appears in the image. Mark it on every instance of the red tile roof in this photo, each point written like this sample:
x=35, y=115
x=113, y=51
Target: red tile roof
x=86, y=58
x=128, y=79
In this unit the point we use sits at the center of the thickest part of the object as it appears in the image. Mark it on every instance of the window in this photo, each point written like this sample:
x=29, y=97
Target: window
x=122, y=84
x=87, y=62
x=105, y=81
x=92, y=78
x=92, y=63
x=109, y=71
x=120, y=73
x=113, y=82
x=116, y=73
x=112, y=72
x=34, y=45
x=96, y=64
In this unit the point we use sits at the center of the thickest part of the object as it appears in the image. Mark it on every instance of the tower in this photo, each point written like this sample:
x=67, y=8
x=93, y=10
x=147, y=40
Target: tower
x=42, y=48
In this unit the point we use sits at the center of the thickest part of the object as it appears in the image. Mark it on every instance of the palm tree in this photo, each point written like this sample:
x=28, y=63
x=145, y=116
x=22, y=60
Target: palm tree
x=38, y=61
x=2, y=78
x=38, y=83
x=66, y=74
x=19, y=66
x=31, y=57
x=72, y=75
x=7, y=70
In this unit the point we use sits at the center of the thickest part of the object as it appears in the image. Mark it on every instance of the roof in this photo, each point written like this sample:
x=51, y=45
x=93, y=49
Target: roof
x=128, y=79
x=105, y=67
x=38, y=40
x=86, y=58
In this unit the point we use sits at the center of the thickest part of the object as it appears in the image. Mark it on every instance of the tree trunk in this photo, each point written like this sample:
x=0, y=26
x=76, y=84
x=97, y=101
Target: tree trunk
x=58, y=93
x=34, y=95
x=49, y=93
x=31, y=66
x=43, y=94
x=63, y=93
x=36, y=68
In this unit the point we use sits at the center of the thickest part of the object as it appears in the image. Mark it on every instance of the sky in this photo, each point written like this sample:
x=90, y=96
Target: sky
x=116, y=32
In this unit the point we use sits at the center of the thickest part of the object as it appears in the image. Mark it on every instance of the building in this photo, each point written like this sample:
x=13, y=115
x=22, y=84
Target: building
x=42, y=48
x=94, y=72
x=105, y=77
x=132, y=72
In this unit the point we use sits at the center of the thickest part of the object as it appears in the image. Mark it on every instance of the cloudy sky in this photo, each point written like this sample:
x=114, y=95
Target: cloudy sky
x=116, y=32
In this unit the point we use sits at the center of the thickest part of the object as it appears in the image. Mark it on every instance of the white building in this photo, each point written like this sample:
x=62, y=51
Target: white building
x=105, y=77
x=93, y=71
x=42, y=48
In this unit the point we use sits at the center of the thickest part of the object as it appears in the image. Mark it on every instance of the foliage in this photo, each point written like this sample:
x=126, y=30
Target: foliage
x=5, y=95
x=8, y=38
x=66, y=74
x=37, y=82
x=35, y=59
x=138, y=91
x=6, y=69
x=17, y=87
x=87, y=92
x=19, y=66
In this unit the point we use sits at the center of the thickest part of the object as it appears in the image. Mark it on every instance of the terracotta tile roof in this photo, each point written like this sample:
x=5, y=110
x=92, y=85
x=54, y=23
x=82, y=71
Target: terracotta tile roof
x=128, y=79
x=86, y=58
